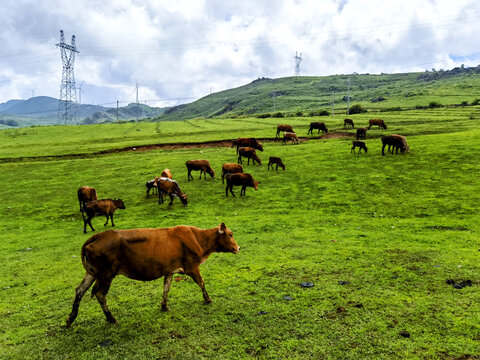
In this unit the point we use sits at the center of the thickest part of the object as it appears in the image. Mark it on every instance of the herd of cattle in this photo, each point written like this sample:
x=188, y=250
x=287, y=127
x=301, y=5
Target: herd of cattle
x=148, y=254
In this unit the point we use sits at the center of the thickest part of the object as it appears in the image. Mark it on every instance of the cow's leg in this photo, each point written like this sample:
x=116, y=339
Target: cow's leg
x=276, y=168
x=239, y=159
x=79, y=292
x=197, y=277
x=189, y=174
x=101, y=294
x=171, y=199
x=231, y=190
x=80, y=204
x=167, y=282
x=243, y=190
x=111, y=219
x=248, y=161
x=106, y=222
x=383, y=149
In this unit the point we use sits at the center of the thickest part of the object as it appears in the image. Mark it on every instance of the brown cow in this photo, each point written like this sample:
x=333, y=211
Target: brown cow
x=348, y=122
x=361, y=133
x=202, y=165
x=86, y=194
x=283, y=127
x=247, y=142
x=148, y=254
x=100, y=207
x=360, y=144
x=166, y=173
x=317, y=125
x=151, y=184
x=170, y=187
x=241, y=179
x=275, y=161
x=397, y=141
x=230, y=168
x=249, y=153
x=378, y=122
x=290, y=136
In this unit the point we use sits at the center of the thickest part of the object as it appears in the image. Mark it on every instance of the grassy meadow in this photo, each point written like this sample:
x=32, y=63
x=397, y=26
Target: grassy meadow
x=378, y=236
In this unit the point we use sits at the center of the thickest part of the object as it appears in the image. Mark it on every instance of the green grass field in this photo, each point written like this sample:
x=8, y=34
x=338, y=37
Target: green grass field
x=378, y=236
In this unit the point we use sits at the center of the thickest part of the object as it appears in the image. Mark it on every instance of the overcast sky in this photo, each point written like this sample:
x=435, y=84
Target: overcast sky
x=181, y=50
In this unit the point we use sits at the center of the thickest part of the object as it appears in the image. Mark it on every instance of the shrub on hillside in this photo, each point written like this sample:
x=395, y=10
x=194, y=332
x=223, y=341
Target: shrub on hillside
x=476, y=102
x=357, y=109
x=464, y=103
x=299, y=113
x=278, y=115
x=395, y=108
x=434, y=104
x=263, y=116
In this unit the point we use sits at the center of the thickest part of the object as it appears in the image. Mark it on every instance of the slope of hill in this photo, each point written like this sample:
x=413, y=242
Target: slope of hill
x=305, y=94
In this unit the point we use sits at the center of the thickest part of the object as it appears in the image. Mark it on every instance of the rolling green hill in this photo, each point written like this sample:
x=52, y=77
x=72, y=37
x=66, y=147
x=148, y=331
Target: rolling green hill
x=305, y=94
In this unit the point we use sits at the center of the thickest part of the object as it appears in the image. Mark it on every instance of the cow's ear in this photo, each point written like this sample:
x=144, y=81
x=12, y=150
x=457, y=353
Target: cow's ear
x=222, y=228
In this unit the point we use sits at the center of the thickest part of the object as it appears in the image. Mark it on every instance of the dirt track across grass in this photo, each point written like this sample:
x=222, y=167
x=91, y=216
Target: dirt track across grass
x=167, y=146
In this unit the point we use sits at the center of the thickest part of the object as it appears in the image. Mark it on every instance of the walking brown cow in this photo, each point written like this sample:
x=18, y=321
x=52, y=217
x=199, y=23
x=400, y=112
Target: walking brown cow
x=360, y=144
x=171, y=188
x=202, y=165
x=317, y=125
x=247, y=142
x=348, y=122
x=148, y=254
x=361, y=133
x=378, y=122
x=283, y=127
x=242, y=179
x=86, y=194
x=290, y=136
x=100, y=207
x=249, y=153
x=273, y=160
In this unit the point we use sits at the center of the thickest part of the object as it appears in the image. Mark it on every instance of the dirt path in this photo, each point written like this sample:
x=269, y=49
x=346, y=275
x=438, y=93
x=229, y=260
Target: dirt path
x=170, y=146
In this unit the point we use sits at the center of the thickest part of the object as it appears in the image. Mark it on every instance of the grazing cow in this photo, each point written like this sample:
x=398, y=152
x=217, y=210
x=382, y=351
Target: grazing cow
x=86, y=194
x=275, y=161
x=241, y=179
x=230, y=168
x=202, y=165
x=100, y=207
x=290, y=136
x=283, y=127
x=247, y=142
x=151, y=184
x=348, y=122
x=170, y=187
x=361, y=133
x=397, y=141
x=360, y=144
x=249, y=153
x=378, y=122
x=317, y=125
x=166, y=173
x=148, y=254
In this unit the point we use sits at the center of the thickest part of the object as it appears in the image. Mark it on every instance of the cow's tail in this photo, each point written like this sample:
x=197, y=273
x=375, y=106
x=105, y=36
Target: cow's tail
x=86, y=263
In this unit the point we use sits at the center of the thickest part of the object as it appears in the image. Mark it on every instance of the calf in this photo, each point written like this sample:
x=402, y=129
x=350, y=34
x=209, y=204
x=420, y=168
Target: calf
x=275, y=161
x=397, y=141
x=361, y=133
x=170, y=187
x=249, y=153
x=317, y=125
x=230, y=168
x=290, y=136
x=86, y=194
x=348, y=122
x=242, y=179
x=202, y=165
x=151, y=184
x=360, y=144
x=248, y=142
x=378, y=122
x=148, y=254
x=283, y=127
x=166, y=173
x=100, y=207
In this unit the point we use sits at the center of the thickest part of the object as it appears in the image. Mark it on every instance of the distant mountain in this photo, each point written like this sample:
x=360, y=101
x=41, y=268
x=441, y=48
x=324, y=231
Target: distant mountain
x=130, y=112
x=43, y=110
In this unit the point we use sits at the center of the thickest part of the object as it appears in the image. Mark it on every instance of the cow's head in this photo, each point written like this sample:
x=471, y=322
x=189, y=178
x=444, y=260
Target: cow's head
x=226, y=242
x=211, y=172
x=119, y=204
x=183, y=199
x=255, y=184
x=282, y=165
x=260, y=147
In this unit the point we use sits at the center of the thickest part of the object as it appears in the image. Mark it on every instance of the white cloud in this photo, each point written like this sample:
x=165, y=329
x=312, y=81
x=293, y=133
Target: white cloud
x=187, y=48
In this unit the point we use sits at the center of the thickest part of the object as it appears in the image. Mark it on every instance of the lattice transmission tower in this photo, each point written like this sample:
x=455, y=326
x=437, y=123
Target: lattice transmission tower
x=298, y=60
x=68, y=91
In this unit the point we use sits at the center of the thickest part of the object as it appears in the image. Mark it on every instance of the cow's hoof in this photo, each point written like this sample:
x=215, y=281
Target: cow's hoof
x=165, y=308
